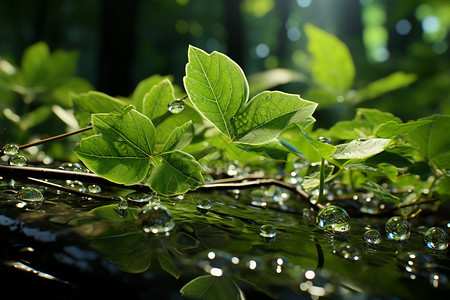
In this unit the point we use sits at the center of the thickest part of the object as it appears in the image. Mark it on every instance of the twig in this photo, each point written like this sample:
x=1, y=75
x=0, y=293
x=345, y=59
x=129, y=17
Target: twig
x=69, y=190
x=51, y=139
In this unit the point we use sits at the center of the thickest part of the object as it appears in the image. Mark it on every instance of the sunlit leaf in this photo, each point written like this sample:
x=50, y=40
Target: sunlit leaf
x=210, y=287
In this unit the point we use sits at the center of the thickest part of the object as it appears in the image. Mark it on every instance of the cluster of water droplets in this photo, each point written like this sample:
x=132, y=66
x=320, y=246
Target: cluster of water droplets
x=15, y=159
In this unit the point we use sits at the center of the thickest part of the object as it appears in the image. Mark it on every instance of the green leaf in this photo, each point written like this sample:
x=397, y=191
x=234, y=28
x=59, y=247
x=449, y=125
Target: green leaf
x=381, y=86
x=381, y=192
x=122, y=149
x=360, y=149
x=349, y=130
x=210, y=287
x=432, y=140
x=272, y=78
x=392, y=129
x=177, y=173
x=33, y=62
x=275, y=149
x=216, y=86
x=143, y=88
x=268, y=114
x=325, y=150
x=94, y=102
x=376, y=117
x=110, y=213
x=313, y=180
x=154, y=103
x=332, y=63
x=179, y=138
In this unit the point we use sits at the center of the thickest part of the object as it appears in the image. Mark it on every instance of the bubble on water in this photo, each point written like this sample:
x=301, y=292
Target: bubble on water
x=94, y=189
x=346, y=251
x=267, y=231
x=30, y=194
x=155, y=218
x=325, y=140
x=372, y=236
x=333, y=218
x=139, y=197
x=76, y=185
x=435, y=238
x=122, y=207
x=18, y=161
x=398, y=229
x=204, y=205
x=176, y=106
x=10, y=149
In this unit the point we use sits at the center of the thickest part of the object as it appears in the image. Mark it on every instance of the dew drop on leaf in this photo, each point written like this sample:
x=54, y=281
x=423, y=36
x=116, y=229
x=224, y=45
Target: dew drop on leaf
x=325, y=140
x=398, y=229
x=10, y=149
x=30, y=194
x=333, y=218
x=18, y=161
x=122, y=207
x=139, y=197
x=435, y=238
x=176, y=106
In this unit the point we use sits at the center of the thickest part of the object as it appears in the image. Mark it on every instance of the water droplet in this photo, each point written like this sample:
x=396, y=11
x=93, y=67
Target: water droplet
x=436, y=239
x=176, y=106
x=267, y=231
x=155, y=218
x=122, y=207
x=30, y=194
x=18, y=161
x=372, y=236
x=437, y=279
x=76, y=185
x=398, y=229
x=10, y=149
x=346, y=251
x=139, y=197
x=204, y=205
x=325, y=140
x=94, y=189
x=334, y=218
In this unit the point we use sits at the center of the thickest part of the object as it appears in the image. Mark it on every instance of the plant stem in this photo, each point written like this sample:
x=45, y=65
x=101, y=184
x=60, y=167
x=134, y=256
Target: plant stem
x=50, y=139
x=321, y=180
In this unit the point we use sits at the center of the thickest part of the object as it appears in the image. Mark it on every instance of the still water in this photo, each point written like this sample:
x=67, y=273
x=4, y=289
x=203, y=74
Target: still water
x=215, y=245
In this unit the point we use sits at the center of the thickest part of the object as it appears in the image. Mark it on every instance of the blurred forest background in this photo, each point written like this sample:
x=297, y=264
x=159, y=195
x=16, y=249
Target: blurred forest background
x=122, y=42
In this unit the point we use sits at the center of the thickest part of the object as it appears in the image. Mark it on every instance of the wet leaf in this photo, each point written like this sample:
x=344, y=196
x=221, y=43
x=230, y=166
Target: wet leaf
x=179, y=138
x=360, y=149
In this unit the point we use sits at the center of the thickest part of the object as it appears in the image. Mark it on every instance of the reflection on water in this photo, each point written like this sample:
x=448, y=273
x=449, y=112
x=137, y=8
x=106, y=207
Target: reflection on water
x=214, y=241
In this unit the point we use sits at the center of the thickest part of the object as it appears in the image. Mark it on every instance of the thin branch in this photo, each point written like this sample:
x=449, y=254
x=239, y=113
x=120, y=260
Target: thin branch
x=67, y=189
x=50, y=139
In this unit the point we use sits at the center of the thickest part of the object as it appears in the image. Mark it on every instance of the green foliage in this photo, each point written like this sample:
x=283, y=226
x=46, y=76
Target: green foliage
x=210, y=287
